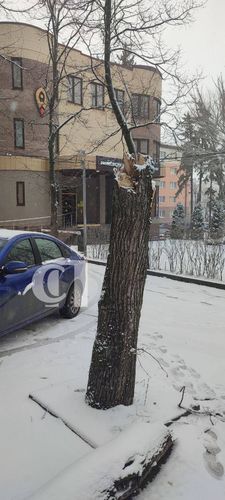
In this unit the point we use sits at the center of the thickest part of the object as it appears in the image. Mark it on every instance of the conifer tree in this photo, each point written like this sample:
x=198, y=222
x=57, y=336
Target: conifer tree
x=197, y=223
x=217, y=221
x=127, y=57
x=178, y=222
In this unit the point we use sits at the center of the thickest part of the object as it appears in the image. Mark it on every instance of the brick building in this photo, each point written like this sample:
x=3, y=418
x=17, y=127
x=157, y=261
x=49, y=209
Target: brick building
x=24, y=170
x=170, y=159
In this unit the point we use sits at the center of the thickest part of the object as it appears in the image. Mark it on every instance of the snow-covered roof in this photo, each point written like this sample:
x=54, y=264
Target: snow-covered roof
x=10, y=233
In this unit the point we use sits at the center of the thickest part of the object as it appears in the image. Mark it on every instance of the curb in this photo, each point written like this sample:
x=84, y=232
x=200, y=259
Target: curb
x=175, y=277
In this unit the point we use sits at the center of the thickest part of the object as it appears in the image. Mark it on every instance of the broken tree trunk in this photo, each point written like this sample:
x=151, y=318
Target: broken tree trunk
x=113, y=366
x=116, y=470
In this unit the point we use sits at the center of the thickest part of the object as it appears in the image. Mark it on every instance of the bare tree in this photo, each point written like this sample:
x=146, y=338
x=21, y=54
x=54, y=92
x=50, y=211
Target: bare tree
x=65, y=20
x=113, y=366
x=203, y=143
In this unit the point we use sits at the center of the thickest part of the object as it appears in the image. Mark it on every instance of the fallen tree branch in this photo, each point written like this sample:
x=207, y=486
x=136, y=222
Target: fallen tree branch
x=141, y=349
x=182, y=396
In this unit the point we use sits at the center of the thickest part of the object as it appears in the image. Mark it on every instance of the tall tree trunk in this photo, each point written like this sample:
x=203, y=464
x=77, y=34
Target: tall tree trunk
x=53, y=121
x=199, y=199
x=53, y=180
x=113, y=366
x=53, y=197
x=192, y=169
x=210, y=199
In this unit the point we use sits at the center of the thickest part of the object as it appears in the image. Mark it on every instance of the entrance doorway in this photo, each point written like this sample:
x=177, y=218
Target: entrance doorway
x=69, y=209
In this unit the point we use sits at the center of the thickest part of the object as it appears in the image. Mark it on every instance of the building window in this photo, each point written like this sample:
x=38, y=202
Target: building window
x=75, y=89
x=20, y=194
x=173, y=185
x=120, y=98
x=173, y=170
x=17, y=73
x=97, y=95
x=162, y=184
x=173, y=199
x=142, y=146
x=140, y=106
x=162, y=199
x=19, y=133
x=162, y=212
x=157, y=104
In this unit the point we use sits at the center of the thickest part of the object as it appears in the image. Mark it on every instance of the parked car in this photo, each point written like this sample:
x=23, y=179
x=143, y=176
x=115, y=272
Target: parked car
x=38, y=274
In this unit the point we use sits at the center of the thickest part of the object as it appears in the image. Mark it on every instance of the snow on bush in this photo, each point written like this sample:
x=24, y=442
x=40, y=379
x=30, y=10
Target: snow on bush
x=192, y=258
x=189, y=257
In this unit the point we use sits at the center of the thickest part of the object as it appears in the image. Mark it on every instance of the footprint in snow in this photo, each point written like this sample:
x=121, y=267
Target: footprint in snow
x=212, y=434
x=163, y=362
x=163, y=349
x=205, y=392
x=177, y=372
x=182, y=365
x=194, y=373
x=157, y=335
x=215, y=468
x=212, y=449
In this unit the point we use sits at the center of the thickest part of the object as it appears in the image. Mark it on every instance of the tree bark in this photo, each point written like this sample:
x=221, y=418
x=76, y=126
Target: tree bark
x=113, y=366
x=199, y=199
x=53, y=182
x=53, y=44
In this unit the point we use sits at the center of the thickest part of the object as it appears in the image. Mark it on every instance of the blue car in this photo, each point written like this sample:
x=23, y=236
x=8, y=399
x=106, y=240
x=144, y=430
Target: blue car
x=38, y=275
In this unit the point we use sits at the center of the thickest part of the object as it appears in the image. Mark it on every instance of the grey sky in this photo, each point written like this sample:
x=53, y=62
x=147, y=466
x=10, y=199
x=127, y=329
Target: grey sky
x=203, y=42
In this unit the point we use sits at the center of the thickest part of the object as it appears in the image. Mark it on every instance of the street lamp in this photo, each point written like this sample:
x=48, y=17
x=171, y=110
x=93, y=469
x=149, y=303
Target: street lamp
x=83, y=167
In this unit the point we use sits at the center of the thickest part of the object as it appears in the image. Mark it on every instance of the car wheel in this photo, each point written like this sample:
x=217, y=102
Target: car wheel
x=73, y=302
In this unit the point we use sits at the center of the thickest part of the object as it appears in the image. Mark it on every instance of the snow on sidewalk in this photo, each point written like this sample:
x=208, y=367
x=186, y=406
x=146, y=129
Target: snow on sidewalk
x=182, y=343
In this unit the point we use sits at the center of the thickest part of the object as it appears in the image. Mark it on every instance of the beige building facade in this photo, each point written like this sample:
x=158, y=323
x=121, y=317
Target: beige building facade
x=92, y=138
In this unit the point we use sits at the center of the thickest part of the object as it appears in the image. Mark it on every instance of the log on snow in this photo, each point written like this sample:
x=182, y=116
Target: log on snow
x=116, y=470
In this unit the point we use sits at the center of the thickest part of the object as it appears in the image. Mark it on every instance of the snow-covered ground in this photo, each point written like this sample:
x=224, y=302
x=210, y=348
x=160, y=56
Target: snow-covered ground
x=181, y=344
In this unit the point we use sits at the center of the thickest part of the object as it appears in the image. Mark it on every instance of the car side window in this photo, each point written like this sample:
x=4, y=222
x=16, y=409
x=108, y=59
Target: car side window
x=48, y=249
x=22, y=251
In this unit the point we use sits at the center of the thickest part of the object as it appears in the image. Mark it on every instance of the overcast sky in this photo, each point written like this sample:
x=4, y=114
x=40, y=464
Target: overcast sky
x=203, y=42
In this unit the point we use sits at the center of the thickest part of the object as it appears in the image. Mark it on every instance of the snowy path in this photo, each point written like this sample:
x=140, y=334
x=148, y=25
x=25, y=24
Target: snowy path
x=182, y=326
x=34, y=446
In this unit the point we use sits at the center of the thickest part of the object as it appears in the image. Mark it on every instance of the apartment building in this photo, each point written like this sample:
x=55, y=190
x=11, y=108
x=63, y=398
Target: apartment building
x=170, y=159
x=93, y=140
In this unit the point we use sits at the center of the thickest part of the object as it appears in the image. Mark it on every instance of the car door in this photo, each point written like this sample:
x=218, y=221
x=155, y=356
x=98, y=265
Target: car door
x=18, y=303
x=56, y=274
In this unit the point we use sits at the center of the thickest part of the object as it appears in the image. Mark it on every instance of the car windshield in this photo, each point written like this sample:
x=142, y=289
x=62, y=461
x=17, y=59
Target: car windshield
x=3, y=242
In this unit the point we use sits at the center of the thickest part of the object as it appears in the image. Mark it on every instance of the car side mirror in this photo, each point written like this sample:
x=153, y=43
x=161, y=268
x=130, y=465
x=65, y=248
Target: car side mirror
x=15, y=267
